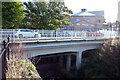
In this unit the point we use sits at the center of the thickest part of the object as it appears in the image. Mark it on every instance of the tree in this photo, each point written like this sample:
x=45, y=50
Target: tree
x=46, y=15
x=12, y=14
x=59, y=14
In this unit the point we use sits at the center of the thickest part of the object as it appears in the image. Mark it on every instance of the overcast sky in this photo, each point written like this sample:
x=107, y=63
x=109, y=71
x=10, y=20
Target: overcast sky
x=110, y=7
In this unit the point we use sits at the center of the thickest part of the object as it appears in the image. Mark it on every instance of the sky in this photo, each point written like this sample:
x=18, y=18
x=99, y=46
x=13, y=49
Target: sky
x=110, y=7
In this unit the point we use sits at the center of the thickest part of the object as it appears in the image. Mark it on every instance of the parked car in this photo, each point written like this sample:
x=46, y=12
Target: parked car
x=21, y=33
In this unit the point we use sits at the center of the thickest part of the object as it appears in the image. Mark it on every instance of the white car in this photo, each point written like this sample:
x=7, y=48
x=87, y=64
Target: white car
x=22, y=33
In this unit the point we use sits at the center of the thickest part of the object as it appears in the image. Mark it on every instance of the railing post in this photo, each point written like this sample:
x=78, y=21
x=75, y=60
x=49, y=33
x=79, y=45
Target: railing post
x=75, y=35
x=4, y=61
x=56, y=34
x=8, y=48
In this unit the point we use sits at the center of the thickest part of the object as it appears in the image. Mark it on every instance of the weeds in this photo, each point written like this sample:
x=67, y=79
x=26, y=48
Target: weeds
x=17, y=66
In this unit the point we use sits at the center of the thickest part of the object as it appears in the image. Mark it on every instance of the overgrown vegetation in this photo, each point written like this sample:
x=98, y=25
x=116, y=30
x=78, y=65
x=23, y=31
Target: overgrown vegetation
x=105, y=63
x=18, y=66
x=21, y=69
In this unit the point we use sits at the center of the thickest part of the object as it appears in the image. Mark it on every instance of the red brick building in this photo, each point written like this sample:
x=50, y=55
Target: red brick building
x=86, y=19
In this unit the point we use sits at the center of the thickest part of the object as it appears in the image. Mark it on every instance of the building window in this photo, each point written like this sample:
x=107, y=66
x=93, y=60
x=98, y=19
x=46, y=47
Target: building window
x=65, y=28
x=77, y=19
x=86, y=18
x=78, y=24
x=71, y=28
x=99, y=21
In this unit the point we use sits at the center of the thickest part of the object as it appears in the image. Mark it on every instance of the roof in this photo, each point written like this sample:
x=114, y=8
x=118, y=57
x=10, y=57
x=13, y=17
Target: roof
x=89, y=13
x=97, y=13
x=86, y=14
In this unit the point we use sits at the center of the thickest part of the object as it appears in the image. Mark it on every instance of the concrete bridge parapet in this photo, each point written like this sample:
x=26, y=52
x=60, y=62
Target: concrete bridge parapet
x=61, y=47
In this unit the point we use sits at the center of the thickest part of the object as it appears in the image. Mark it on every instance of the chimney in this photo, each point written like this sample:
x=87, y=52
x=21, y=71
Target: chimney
x=83, y=10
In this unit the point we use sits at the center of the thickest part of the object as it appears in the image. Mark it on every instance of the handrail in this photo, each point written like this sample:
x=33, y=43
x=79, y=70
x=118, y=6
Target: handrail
x=3, y=57
x=4, y=50
x=58, y=34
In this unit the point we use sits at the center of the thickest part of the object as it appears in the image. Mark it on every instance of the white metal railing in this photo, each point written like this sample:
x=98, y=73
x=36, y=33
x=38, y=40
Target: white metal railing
x=57, y=35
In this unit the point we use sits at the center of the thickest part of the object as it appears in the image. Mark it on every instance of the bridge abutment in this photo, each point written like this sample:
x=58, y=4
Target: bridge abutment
x=68, y=62
x=78, y=59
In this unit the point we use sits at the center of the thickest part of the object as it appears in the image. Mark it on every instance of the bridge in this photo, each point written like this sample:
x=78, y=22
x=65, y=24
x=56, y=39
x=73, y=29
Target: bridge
x=53, y=44
x=70, y=47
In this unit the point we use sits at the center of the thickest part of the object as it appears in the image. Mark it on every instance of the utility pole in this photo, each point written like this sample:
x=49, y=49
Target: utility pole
x=118, y=27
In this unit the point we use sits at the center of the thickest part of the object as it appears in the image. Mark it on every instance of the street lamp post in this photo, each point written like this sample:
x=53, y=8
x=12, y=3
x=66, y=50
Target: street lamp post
x=118, y=28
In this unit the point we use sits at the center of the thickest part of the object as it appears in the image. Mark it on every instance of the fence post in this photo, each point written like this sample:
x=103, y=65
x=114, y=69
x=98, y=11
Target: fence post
x=8, y=55
x=4, y=61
